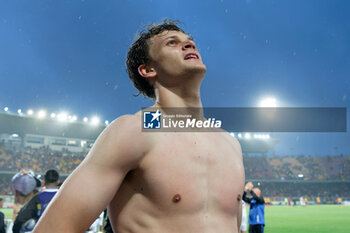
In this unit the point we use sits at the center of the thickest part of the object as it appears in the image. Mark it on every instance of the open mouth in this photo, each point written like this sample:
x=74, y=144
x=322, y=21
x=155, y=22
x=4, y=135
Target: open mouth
x=191, y=56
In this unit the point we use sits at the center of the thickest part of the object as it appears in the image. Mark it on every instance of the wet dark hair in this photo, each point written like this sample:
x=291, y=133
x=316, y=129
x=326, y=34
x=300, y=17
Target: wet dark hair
x=51, y=176
x=139, y=54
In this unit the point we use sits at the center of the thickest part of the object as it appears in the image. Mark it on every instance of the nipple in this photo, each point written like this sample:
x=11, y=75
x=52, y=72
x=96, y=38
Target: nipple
x=239, y=197
x=177, y=198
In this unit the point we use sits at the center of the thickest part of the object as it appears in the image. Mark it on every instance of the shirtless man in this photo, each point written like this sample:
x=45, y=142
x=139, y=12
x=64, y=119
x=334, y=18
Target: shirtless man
x=156, y=182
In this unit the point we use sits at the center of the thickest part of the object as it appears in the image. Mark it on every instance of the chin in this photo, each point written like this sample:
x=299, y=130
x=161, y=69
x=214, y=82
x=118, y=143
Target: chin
x=198, y=69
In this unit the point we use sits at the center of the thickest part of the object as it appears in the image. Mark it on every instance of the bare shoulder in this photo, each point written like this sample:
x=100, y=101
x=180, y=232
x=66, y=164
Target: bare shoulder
x=117, y=150
x=127, y=125
x=121, y=142
x=233, y=142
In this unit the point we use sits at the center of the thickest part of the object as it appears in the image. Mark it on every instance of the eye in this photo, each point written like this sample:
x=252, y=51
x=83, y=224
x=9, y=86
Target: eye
x=171, y=42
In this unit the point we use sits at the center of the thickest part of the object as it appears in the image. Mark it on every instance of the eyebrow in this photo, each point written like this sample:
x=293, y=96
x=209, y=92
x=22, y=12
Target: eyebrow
x=177, y=37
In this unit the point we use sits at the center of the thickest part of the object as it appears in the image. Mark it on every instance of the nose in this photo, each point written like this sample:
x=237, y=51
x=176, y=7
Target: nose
x=189, y=44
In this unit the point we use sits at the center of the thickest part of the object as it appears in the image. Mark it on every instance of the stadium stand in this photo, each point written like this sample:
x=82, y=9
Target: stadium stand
x=327, y=177
x=39, y=145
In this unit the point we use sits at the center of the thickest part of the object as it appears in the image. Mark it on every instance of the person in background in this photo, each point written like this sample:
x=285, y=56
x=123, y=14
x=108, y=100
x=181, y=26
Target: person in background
x=339, y=201
x=32, y=211
x=253, y=196
x=318, y=201
x=2, y=218
x=24, y=184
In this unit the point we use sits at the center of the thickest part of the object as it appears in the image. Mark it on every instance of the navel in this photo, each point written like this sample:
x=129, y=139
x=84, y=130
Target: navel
x=177, y=198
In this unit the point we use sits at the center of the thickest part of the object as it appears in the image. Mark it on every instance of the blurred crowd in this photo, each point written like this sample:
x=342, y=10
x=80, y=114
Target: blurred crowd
x=39, y=160
x=298, y=167
x=328, y=191
x=286, y=170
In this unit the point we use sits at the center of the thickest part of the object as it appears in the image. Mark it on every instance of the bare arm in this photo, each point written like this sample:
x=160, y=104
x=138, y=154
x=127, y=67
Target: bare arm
x=89, y=189
x=245, y=198
x=260, y=199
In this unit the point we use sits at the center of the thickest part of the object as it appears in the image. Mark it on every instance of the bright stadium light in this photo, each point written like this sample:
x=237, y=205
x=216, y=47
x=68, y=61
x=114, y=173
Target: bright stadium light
x=95, y=121
x=6, y=109
x=41, y=114
x=85, y=119
x=19, y=111
x=239, y=135
x=247, y=136
x=30, y=112
x=232, y=134
x=106, y=122
x=300, y=175
x=53, y=115
x=62, y=117
x=74, y=118
x=269, y=102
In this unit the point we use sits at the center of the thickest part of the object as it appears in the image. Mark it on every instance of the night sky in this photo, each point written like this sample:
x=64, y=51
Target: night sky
x=70, y=56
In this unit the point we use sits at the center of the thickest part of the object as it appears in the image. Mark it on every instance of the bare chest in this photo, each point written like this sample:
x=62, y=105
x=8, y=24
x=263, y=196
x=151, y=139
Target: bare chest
x=200, y=172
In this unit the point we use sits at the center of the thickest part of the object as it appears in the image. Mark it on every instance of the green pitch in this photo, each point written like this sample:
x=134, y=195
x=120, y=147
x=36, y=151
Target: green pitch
x=7, y=212
x=310, y=219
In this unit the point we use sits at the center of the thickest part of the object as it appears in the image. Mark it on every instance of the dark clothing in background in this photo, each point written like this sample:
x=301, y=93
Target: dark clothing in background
x=34, y=208
x=256, y=212
x=2, y=223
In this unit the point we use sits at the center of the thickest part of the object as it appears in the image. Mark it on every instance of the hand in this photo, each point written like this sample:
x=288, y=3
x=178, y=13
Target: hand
x=24, y=172
x=248, y=186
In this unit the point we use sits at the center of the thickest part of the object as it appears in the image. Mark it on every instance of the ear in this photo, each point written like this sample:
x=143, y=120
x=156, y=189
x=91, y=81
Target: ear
x=147, y=72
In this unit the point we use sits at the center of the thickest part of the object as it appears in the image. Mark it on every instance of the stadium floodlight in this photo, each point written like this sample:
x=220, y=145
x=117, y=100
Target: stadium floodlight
x=82, y=143
x=239, y=135
x=62, y=117
x=6, y=109
x=74, y=118
x=53, y=115
x=269, y=102
x=19, y=111
x=95, y=120
x=106, y=122
x=247, y=136
x=41, y=114
x=30, y=112
x=300, y=175
x=85, y=119
x=267, y=136
x=232, y=134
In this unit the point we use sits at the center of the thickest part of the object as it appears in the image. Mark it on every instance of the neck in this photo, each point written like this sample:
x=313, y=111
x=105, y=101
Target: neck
x=178, y=97
x=179, y=101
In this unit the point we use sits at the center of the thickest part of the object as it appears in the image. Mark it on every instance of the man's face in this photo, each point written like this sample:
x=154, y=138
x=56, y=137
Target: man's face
x=174, y=53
